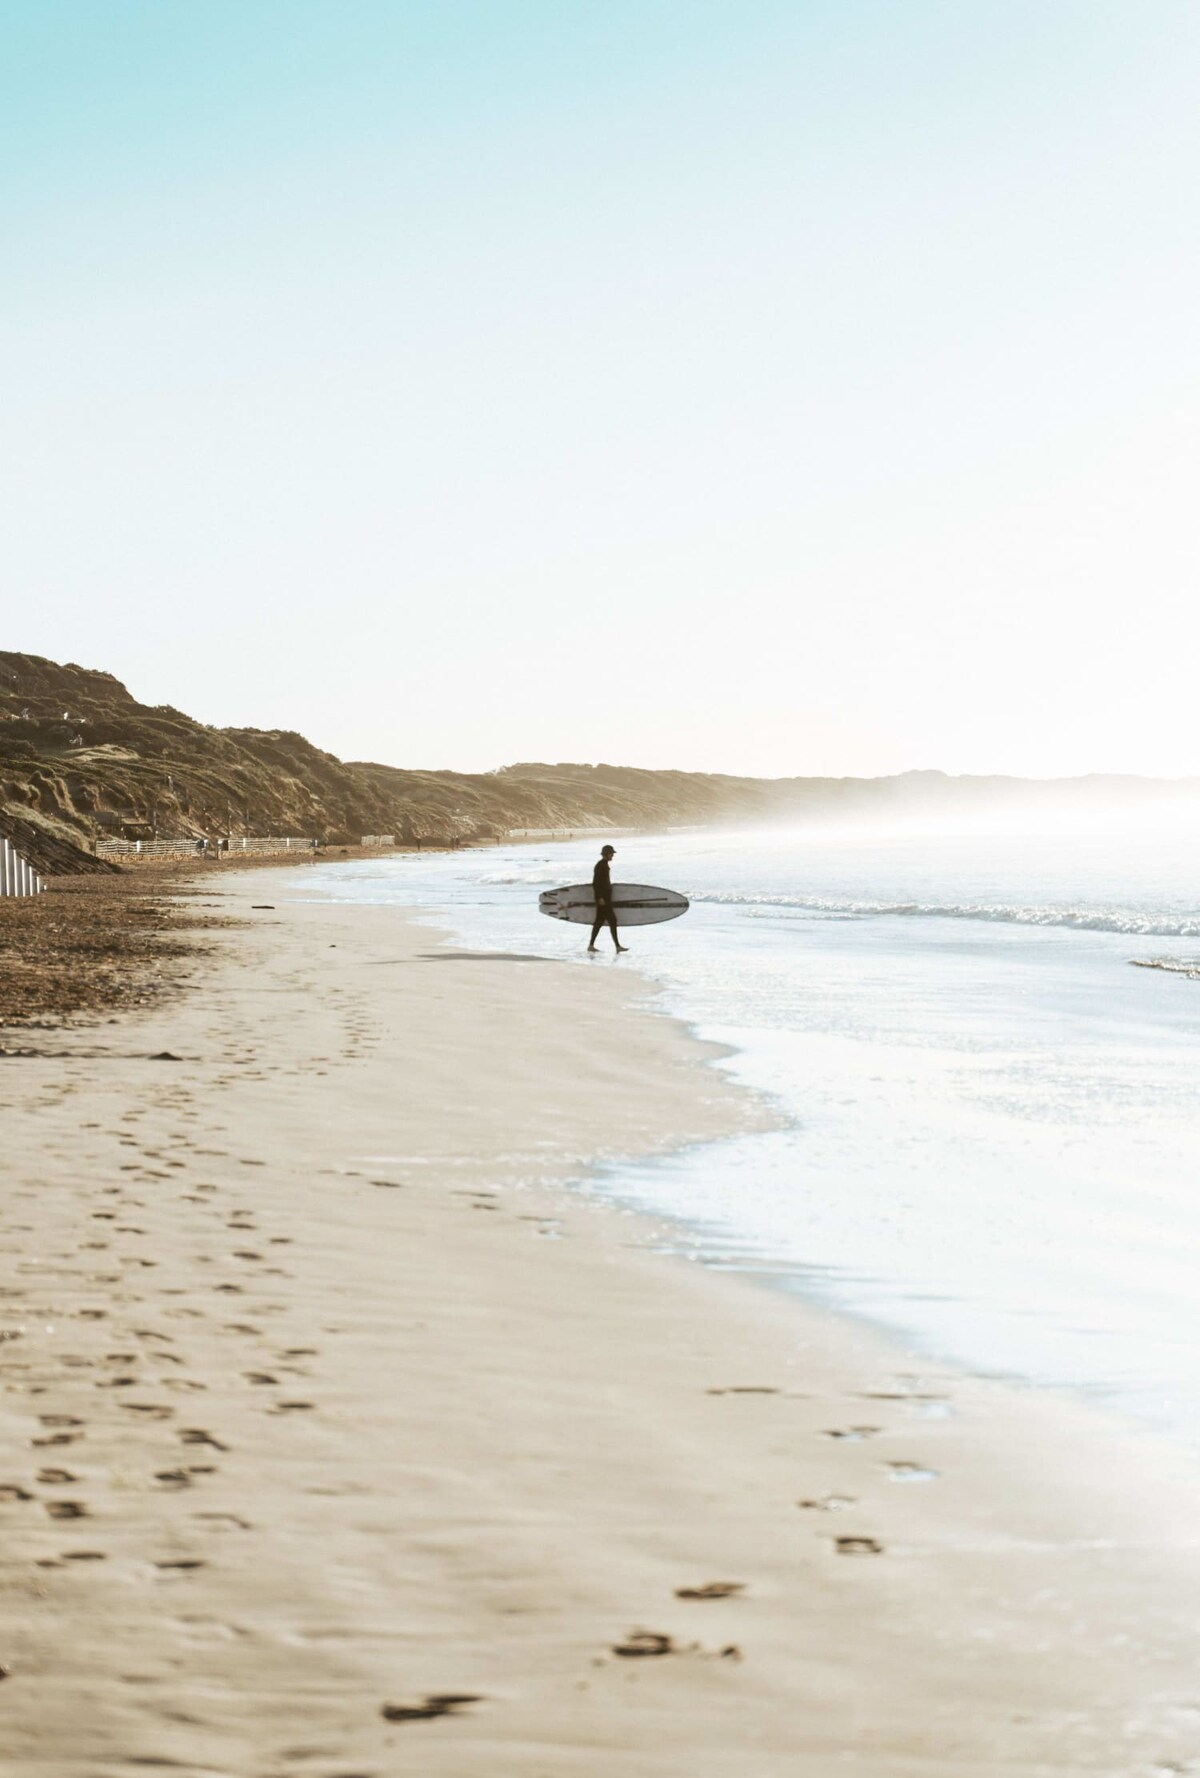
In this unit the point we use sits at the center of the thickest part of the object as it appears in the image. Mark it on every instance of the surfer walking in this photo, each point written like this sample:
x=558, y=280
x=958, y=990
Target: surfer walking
x=603, y=897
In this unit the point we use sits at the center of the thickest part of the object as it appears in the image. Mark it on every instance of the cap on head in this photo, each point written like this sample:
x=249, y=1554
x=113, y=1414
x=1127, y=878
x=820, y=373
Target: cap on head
x=608, y=851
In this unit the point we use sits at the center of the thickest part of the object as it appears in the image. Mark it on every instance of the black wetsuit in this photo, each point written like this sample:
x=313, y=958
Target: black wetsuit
x=602, y=893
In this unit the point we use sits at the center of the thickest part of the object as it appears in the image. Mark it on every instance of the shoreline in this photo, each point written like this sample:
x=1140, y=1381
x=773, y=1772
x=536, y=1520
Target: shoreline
x=363, y=1405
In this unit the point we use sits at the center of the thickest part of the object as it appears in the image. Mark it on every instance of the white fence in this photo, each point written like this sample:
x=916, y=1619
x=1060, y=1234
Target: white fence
x=17, y=875
x=143, y=848
x=379, y=839
x=186, y=848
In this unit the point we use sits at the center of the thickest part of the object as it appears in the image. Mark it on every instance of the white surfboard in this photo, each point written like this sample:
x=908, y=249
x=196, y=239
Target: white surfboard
x=635, y=904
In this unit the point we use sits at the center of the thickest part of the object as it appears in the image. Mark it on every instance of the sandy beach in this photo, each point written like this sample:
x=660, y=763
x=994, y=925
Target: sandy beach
x=344, y=1436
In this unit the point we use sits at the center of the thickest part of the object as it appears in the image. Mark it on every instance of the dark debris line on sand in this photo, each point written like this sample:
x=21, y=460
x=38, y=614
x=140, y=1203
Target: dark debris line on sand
x=96, y=945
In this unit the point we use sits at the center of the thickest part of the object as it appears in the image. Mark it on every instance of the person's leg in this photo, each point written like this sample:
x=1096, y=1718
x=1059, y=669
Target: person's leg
x=595, y=932
x=612, y=927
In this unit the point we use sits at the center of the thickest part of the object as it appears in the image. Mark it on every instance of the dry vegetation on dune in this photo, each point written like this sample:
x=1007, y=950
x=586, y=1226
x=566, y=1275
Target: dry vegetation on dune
x=81, y=757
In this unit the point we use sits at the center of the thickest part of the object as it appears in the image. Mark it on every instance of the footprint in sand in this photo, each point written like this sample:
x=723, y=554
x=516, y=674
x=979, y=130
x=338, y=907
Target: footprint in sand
x=640, y=1643
x=66, y=1509
x=53, y=1478
x=712, y=1589
x=12, y=1491
x=196, y=1435
x=911, y=1472
x=436, y=1704
x=828, y=1503
x=915, y=1396
x=852, y=1433
x=858, y=1546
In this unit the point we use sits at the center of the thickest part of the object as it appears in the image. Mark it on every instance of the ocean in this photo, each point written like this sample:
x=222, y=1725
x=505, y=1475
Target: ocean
x=992, y=1120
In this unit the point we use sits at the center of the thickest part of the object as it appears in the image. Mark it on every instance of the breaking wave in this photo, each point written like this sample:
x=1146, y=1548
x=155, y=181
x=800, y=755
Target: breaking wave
x=1130, y=920
x=539, y=875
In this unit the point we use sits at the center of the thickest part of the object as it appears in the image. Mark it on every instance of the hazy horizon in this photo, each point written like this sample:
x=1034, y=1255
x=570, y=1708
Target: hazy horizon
x=772, y=389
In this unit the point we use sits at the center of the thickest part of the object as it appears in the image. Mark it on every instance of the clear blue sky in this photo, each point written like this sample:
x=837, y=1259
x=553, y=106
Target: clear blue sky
x=749, y=386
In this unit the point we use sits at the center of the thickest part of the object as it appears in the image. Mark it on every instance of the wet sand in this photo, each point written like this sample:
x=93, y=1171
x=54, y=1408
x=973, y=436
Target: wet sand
x=340, y=1438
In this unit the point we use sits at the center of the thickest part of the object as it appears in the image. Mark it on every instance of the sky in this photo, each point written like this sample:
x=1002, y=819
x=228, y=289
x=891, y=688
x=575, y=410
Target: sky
x=751, y=387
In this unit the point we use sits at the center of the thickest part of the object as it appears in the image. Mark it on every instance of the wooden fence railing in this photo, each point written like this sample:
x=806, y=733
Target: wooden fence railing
x=17, y=875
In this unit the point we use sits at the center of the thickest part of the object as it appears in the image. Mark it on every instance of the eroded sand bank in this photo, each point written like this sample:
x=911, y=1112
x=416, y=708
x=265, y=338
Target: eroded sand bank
x=323, y=1398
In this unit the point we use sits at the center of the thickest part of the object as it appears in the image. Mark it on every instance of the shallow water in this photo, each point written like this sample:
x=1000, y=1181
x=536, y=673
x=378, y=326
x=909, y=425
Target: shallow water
x=993, y=1139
